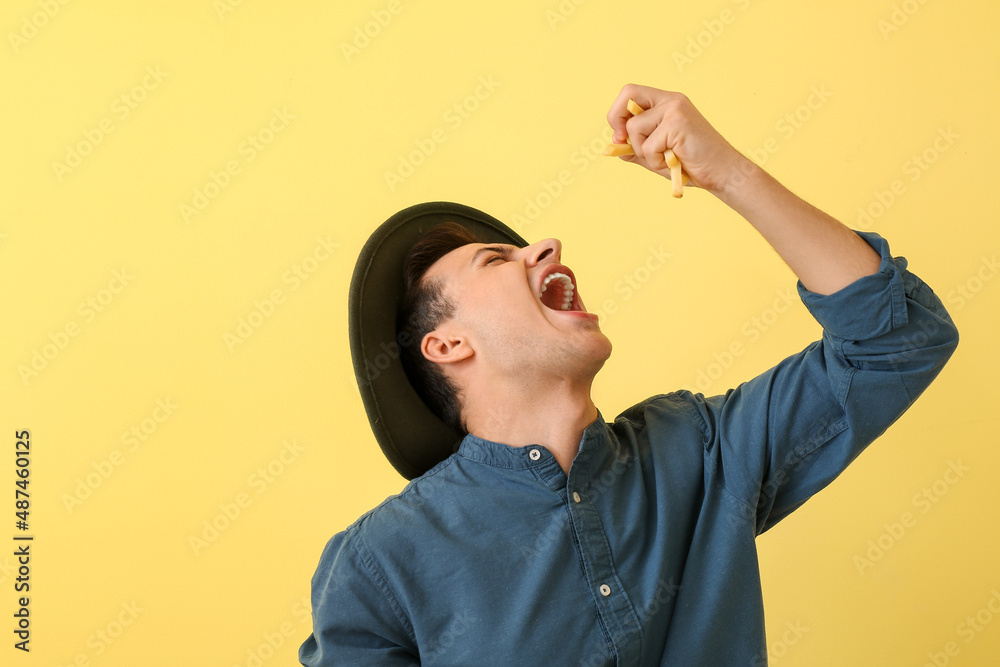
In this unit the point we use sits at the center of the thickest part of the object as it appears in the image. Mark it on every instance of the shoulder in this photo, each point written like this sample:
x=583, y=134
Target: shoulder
x=399, y=514
x=663, y=411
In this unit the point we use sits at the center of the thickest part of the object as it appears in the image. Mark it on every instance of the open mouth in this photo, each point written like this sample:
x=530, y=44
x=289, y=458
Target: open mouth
x=559, y=292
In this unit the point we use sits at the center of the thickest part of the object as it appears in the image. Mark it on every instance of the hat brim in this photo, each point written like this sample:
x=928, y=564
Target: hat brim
x=411, y=436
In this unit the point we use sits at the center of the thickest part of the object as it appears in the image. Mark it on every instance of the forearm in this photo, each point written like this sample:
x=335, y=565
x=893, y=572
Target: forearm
x=825, y=254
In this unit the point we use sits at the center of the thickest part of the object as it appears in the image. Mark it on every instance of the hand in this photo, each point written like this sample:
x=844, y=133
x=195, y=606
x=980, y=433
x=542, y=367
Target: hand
x=670, y=121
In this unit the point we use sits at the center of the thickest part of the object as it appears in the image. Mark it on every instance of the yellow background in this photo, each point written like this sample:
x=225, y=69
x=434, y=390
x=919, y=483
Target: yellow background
x=333, y=114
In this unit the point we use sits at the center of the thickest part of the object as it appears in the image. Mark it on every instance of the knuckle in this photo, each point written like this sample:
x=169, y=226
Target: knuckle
x=636, y=146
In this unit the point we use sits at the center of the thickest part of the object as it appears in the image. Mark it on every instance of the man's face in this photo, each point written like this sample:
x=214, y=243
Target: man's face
x=507, y=322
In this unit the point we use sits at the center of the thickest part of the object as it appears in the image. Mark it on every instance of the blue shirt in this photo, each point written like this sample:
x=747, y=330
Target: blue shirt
x=645, y=553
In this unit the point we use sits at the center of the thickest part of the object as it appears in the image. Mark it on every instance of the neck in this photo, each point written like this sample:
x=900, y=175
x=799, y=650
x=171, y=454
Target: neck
x=553, y=414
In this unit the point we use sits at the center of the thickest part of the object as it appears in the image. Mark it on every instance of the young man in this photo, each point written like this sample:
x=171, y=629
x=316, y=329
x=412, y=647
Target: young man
x=552, y=537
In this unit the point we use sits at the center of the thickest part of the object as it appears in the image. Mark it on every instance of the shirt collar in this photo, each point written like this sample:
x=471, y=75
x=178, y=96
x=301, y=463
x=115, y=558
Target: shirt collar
x=503, y=455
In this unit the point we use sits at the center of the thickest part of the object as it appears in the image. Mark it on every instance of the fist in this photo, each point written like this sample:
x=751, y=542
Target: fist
x=671, y=122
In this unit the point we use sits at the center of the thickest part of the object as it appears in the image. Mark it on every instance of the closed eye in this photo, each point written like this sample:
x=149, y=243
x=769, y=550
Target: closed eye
x=498, y=252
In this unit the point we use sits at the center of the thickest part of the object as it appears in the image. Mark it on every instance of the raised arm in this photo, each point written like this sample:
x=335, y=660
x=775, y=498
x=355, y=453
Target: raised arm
x=780, y=437
x=824, y=254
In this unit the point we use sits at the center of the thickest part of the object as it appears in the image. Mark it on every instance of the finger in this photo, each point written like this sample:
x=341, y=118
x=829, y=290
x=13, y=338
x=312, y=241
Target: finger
x=621, y=148
x=618, y=114
x=656, y=149
x=642, y=97
x=660, y=158
x=640, y=128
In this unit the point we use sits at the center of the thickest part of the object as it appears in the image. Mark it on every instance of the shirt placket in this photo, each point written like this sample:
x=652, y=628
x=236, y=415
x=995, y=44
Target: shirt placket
x=613, y=604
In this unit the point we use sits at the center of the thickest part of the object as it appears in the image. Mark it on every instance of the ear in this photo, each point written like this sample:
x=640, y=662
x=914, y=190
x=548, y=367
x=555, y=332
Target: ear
x=445, y=347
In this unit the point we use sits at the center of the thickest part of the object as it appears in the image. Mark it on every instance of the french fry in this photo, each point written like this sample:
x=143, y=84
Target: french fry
x=615, y=150
x=678, y=178
x=676, y=174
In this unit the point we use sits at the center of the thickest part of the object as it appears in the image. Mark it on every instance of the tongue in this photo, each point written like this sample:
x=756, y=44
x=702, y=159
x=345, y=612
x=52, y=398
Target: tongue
x=554, y=295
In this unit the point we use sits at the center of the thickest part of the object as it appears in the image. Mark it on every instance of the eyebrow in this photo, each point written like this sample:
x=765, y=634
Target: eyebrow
x=503, y=250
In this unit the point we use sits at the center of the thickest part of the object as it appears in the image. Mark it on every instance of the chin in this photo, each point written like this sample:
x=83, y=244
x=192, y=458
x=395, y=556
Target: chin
x=608, y=348
x=598, y=350
x=591, y=341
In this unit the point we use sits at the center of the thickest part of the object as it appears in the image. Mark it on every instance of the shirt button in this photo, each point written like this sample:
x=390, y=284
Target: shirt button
x=534, y=454
x=576, y=497
x=605, y=590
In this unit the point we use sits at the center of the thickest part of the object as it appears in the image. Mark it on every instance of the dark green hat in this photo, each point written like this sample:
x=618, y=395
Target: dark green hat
x=411, y=436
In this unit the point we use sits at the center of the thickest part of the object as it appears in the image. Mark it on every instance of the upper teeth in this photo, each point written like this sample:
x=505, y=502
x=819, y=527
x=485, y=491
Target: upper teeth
x=567, y=288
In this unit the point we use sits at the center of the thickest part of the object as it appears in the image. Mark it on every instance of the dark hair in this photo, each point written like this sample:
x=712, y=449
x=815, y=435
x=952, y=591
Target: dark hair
x=424, y=306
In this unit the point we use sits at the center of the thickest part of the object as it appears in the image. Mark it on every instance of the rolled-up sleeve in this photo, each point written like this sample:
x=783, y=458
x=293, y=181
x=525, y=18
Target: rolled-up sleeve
x=777, y=439
x=356, y=620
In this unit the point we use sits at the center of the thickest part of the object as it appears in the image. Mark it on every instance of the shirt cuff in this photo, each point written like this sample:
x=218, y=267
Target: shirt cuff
x=871, y=306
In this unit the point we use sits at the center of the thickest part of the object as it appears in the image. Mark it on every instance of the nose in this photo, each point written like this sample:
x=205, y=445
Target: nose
x=545, y=250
